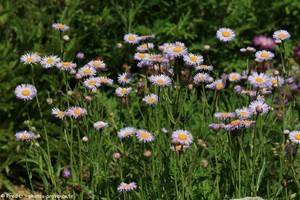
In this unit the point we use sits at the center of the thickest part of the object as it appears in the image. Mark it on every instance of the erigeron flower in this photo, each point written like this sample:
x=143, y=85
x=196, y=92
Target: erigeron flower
x=202, y=78
x=49, y=61
x=127, y=187
x=176, y=49
x=60, y=27
x=259, y=80
x=182, y=137
x=126, y=132
x=131, y=38
x=97, y=64
x=193, y=59
x=30, y=58
x=217, y=85
x=234, y=77
x=25, y=92
x=238, y=124
x=281, y=35
x=122, y=92
x=100, y=125
x=145, y=47
x=264, y=55
x=141, y=56
x=87, y=70
x=216, y=127
x=105, y=80
x=160, y=80
x=151, y=99
x=66, y=66
x=277, y=81
x=258, y=107
x=76, y=112
x=56, y=112
x=204, y=67
x=124, y=78
x=225, y=34
x=92, y=83
x=144, y=136
x=243, y=113
x=224, y=115
x=25, y=136
x=294, y=136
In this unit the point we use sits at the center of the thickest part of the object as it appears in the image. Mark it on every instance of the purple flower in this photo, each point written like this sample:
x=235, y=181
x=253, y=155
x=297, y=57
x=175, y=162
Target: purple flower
x=264, y=42
x=66, y=173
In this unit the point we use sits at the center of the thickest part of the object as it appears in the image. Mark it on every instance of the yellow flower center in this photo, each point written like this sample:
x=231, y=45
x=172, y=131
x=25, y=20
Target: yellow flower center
x=26, y=92
x=243, y=113
x=77, y=111
x=29, y=59
x=259, y=80
x=151, y=100
x=234, y=77
x=160, y=81
x=225, y=33
x=87, y=71
x=235, y=122
x=66, y=64
x=182, y=136
x=177, y=49
x=60, y=114
x=50, y=61
x=92, y=83
x=282, y=36
x=219, y=85
x=24, y=136
x=142, y=55
x=131, y=38
x=297, y=136
x=144, y=135
x=264, y=55
x=193, y=58
x=60, y=26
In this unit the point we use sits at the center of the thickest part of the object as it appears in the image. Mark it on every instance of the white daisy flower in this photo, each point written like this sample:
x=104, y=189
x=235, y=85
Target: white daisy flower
x=124, y=78
x=144, y=136
x=202, y=78
x=234, y=77
x=97, y=64
x=281, y=35
x=122, y=92
x=66, y=66
x=258, y=106
x=160, y=80
x=127, y=187
x=100, y=125
x=259, y=80
x=25, y=136
x=151, y=99
x=224, y=115
x=193, y=59
x=76, y=112
x=49, y=61
x=105, y=80
x=25, y=92
x=294, y=136
x=60, y=27
x=177, y=49
x=126, y=132
x=92, y=83
x=182, y=137
x=87, y=70
x=141, y=56
x=243, y=113
x=204, y=68
x=131, y=38
x=145, y=47
x=30, y=58
x=216, y=85
x=264, y=55
x=56, y=112
x=225, y=34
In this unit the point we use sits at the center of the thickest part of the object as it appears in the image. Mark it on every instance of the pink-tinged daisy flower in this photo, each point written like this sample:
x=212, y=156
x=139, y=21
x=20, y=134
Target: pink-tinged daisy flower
x=193, y=59
x=76, y=112
x=124, y=78
x=243, y=113
x=177, y=49
x=281, y=35
x=202, y=78
x=216, y=127
x=66, y=66
x=225, y=34
x=60, y=27
x=126, y=132
x=105, y=80
x=145, y=47
x=131, y=38
x=151, y=99
x=144, y=136
x=264, y=42
x=217, y=85
x=56, y=112
x=25, y=136
x=259, y=80
x=100, y=125
x=204, y=67
x=277, y=81
x=182, y=137
x=258, y=107
x=92, y=83
x=25, y=92
x=238, y=124
x=122, y=92
x=224, y=115
x=294, y=136
x=234, y=77
x=160, y=80
x=141, y=56
x=30, y=58
x=127, y=187
x=49, y=61
x=97, y=64
x=264, y=55
x=86, y=71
